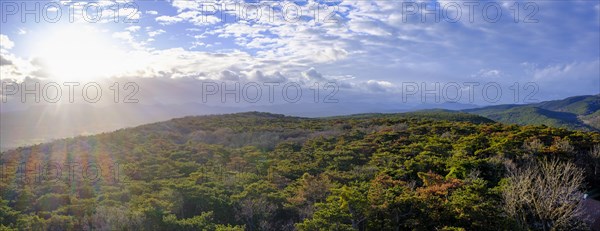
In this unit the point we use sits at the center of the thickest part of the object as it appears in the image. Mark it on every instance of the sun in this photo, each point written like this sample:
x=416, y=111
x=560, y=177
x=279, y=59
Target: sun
x=77, y=53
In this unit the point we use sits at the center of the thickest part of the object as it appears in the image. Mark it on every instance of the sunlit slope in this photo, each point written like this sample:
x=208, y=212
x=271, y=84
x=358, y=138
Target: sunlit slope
x=276, y=172
x=579, y=112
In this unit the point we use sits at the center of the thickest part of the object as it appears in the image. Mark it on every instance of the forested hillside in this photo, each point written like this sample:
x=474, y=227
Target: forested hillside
x=578, y=112
x=256, y=171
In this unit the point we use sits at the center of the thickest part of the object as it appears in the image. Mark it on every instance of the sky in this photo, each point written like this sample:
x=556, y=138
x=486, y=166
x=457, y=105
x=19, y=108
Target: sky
x=245, y=53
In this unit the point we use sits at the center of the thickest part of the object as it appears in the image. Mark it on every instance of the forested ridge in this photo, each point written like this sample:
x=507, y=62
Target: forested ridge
x=432, y=170
x=576, y=113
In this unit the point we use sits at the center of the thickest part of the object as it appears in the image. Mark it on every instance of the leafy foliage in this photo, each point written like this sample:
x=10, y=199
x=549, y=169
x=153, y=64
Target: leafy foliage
x=257, y=171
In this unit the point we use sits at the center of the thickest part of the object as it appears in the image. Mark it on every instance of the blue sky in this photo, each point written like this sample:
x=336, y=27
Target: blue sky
x=371, y=50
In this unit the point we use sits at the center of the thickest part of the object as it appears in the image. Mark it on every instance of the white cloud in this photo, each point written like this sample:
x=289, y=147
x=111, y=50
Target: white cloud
x=5, y=61
x=13, y=67
x=182, y=5
x=565, y=79
x=198, y=18
x=229, y=75
x=124, y=35
x=312, y=75
x=5, y=42
x=379, y=86
x=133, y=28
x=128, y=38
x=568, y=71
x=168, y=20
x=260, y=76
x=331, y=54
x=190, y=11
x=132, y=14
x=156, y=32
x=488, y=73
x=369, y=41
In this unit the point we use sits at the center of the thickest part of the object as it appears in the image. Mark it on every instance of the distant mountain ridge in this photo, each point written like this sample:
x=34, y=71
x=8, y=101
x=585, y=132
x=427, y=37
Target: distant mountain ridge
x=577, y=112
x=44, y=123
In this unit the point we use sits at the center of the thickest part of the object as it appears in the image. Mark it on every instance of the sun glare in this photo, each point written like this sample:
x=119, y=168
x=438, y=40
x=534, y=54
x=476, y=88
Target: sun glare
x=77, y=52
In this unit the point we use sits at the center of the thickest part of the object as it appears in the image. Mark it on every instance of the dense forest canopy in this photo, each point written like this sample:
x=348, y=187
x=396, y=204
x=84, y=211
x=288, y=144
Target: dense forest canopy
x=431, y=170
